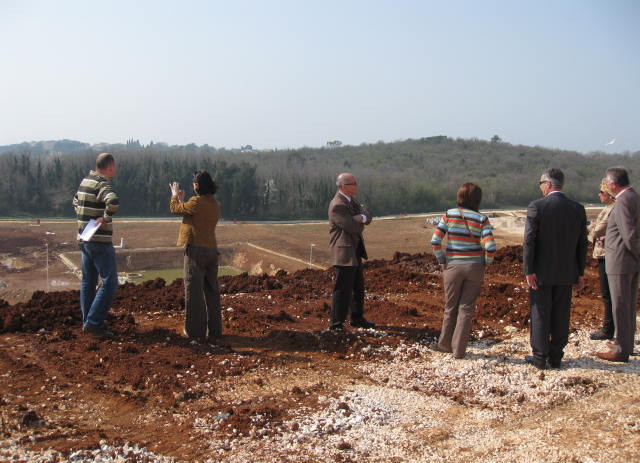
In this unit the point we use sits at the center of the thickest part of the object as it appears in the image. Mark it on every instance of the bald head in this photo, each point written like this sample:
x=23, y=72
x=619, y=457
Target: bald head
x=345, y=177
x=347, y=184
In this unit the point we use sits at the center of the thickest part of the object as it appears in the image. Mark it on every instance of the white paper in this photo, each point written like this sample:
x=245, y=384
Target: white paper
x=89, y=230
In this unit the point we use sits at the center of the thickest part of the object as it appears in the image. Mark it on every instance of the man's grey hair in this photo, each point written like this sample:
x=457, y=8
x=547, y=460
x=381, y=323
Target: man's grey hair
x=341, y=180
x=555, y=176
x=618, y=175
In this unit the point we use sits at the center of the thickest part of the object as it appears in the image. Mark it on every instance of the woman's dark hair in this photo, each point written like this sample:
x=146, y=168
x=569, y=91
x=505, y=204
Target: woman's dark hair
x=469, y=196
x=205, y=184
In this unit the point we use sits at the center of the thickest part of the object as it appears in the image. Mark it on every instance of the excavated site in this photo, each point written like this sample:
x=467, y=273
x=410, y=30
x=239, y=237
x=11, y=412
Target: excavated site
x=280, y=387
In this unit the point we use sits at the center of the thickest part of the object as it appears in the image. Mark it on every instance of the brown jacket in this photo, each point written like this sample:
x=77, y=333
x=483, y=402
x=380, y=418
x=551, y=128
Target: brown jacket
x=598, y=229
x=345, y=234
x=200, y=216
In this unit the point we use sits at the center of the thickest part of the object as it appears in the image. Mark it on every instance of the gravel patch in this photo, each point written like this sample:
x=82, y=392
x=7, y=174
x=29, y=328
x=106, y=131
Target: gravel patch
x=416, y=404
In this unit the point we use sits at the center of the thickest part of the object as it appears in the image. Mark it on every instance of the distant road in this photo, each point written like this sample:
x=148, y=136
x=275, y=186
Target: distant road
x=262, y=222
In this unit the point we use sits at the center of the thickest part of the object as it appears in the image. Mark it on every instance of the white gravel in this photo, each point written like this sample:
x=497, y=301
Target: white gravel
x=416, y=404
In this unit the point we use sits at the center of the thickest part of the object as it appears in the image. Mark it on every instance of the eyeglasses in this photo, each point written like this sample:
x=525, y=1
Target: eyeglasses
x=544, y=181
x=354, y=183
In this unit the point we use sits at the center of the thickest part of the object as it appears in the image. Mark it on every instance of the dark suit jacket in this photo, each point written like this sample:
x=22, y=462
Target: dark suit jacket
x=345, y=234
x=555, y=240
x=622, y=242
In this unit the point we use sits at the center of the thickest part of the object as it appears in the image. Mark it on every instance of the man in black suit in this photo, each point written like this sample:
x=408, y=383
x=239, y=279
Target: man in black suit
x=554, y=254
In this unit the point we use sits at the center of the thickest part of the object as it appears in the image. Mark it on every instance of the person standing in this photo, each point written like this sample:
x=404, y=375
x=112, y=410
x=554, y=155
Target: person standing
x=95, y=199
x=554, y=255
x=622, y=259
x=596, y=236
x=200, y=215
x=347, y=219
x=462, y=265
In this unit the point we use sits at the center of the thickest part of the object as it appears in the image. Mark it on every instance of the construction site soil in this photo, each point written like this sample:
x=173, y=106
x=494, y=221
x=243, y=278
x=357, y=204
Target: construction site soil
x=151, y=386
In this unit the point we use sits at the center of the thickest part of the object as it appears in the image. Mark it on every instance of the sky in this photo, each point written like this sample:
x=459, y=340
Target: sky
x=284, y=74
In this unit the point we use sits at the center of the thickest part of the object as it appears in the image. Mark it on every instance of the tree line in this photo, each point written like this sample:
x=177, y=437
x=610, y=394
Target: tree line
x=415, y=175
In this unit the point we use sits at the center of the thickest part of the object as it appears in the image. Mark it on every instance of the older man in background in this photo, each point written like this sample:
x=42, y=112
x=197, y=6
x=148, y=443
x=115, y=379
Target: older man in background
x=622, y=261
x=347, y=219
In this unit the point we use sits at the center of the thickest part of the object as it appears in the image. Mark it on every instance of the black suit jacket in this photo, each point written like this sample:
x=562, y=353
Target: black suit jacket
x=555, y=240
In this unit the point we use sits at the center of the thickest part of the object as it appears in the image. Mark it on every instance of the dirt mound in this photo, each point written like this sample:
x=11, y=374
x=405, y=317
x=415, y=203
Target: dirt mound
x=290, y=298
x=154, y=386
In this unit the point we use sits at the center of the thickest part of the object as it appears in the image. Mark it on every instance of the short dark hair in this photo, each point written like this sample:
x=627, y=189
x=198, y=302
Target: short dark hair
x=469, y=196
x=206, y=185
x=104, y=160
x=555, y=176
x=618, y=175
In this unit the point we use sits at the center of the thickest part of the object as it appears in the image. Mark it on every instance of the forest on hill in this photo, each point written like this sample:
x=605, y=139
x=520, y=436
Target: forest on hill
x=414, y=175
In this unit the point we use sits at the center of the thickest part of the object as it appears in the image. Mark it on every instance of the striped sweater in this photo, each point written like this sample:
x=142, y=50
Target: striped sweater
x=94, y=199
x=461, y=247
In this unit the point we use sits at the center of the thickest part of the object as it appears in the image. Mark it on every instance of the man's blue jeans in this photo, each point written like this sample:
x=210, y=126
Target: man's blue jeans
x=98, y=259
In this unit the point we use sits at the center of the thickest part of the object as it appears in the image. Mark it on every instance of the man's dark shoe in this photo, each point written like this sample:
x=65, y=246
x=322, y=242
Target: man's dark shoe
x=555, y=364
x=362, y=323
x=437, y=348
x=97, y=331
x=336, y=328
x=531, y=360
x=612, y=356
x=599, y=335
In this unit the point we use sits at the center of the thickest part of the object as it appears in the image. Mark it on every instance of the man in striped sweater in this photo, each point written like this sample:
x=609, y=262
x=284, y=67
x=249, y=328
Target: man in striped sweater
x=96, y=200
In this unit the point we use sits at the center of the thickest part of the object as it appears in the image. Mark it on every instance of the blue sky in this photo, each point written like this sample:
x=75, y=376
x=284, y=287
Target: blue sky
x=277, y=74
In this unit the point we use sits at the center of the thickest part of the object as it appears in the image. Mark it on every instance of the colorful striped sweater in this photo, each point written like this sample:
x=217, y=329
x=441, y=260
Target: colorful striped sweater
x=462, y=248
x=94, y=199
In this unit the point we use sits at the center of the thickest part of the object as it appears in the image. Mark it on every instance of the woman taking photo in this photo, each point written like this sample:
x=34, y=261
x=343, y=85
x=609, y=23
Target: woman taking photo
x=470, y=246
x=198, y=234
x=597, y=230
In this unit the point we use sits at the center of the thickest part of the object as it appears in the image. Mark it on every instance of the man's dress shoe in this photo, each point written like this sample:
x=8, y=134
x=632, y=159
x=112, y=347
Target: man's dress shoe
x=555, y=364
x=612, y=356
x=362, y=323
x=599, y=335
x=531, y=360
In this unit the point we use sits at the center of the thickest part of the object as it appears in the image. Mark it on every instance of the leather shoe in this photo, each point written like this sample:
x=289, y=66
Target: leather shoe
x=612, y=345
x=336, y=328
x=612, y=356
x=599, y=335
x=97, y=331
x=555, y=364
x=531, y=360
x=440, y=349
x=362, y=323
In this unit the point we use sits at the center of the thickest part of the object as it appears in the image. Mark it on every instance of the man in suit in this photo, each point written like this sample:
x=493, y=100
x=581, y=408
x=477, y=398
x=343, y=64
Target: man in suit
x=622, y=261
x=554, y=254
x=347, y=219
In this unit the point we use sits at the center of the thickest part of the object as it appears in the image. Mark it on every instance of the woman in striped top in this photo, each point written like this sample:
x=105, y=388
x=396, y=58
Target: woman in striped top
x=470, y=246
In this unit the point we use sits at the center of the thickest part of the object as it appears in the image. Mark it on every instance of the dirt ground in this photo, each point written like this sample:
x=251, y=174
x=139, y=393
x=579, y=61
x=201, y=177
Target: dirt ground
x=280, y=387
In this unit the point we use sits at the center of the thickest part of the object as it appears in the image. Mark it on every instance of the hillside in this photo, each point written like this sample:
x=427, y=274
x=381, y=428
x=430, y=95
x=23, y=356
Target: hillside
x=415, y=175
